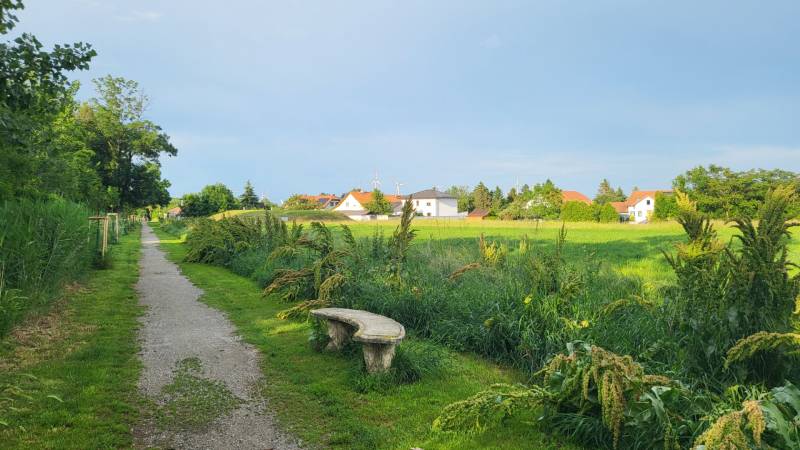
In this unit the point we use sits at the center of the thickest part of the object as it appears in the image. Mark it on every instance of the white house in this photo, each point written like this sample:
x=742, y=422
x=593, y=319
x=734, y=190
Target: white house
x=640, y=205
x=352, y=205
x=434, y=203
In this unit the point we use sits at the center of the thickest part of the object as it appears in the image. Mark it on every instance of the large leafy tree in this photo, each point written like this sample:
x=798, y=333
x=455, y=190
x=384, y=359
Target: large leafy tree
x=378, y=204
x=211, y=199
x=464, y=197
x=725, y=193
x=34, y=92
x=127, y=146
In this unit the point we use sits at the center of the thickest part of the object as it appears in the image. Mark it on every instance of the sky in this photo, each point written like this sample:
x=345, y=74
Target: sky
x=318, y=96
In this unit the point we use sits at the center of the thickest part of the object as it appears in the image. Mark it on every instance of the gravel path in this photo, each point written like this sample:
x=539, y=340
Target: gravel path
x=178, y=328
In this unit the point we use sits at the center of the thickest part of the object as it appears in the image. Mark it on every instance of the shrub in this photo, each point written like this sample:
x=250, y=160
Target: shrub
x=413, y=361
x=574, y=211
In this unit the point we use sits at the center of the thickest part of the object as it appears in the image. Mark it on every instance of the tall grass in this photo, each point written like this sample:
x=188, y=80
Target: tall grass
x=43, y=244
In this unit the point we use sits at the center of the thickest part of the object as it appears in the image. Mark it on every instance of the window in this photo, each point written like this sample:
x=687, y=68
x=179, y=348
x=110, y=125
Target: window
x=648, y=201
x=428, y=204
x=639, y=213
x=417, y=202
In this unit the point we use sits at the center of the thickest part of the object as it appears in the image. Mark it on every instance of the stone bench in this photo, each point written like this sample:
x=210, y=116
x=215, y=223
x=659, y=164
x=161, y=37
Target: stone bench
x=379, y=334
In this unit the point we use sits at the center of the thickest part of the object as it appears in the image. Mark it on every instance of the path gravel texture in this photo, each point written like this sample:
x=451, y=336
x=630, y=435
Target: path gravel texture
x=177, y=327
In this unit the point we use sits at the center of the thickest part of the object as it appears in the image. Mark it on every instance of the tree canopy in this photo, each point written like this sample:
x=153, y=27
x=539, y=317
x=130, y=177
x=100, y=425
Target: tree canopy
x=378, y=204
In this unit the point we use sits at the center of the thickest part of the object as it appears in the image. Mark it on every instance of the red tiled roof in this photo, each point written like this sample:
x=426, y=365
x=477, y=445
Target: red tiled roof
x=575, y=196
x=620, y=207
x=366, y=197
x=478, y=213
x=637, y=196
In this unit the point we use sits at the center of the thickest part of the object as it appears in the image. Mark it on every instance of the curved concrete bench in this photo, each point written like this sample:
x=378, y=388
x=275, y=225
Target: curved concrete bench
x=379, y=334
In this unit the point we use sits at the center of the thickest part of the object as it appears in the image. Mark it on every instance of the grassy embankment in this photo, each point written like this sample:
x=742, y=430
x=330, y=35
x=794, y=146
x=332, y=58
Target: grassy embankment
x=72, y=373
x=313, y=393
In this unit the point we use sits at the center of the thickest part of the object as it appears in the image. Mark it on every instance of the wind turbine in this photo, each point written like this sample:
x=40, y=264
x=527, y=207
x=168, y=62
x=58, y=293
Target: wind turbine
x=376, y=182
x=397, y=185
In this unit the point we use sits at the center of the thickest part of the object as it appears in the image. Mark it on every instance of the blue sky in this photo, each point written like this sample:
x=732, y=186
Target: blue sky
x=311, y=96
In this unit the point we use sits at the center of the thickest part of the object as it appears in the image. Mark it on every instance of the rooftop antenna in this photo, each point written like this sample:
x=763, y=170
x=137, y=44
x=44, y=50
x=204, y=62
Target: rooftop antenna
x=376, y=182
x=397, y=185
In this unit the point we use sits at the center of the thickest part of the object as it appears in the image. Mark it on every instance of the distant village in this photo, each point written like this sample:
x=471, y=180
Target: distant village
x=637, y=208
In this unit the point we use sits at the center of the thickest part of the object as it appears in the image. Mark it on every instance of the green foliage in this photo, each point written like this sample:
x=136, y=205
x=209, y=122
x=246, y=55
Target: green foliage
x=481, y=197
x=607, y=194
x=217, y=242
x=666, y=206
x=575, y=211
x=248, y=199
x=414, y=360
x=43, y=245
x=493, y=254
x=402, y=237
x=464, y=197
x=723, y=193
x=605, y=213
x=211, y=199
x=544, y=201
x=299, y=202
x=378, y=203
x=589, y=388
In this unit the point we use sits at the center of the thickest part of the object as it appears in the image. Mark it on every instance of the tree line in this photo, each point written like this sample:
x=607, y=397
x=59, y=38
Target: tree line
x=103, y=153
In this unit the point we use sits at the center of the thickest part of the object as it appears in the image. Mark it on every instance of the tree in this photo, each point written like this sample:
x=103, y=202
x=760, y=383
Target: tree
x=665, y=207
x=34, y=91
x=545, y=201
x=724, y=193
x=607, y=194
x=605, y=213
x=248, y=199
x=212, y=199
x=497, y=200
x=463, y=196
x=300, y=202
x=378, y=204
x=124, y=142
x=574, y=211
x=481, y=197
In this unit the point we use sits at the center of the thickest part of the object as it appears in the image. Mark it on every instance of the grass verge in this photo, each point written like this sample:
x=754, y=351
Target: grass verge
x=315, y=394
x=68, y=379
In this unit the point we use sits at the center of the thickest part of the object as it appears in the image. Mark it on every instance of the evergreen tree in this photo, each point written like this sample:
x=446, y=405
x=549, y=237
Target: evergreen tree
x=248, y=199
x=481, y=197
x=497, y=199
x=606, y=193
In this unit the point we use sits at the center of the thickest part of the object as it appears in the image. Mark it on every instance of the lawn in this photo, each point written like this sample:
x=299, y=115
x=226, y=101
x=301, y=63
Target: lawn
x=72, y=373
x=313, y=393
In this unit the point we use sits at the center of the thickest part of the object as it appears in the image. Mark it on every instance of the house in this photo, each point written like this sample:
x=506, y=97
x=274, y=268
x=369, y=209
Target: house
x=353, y=205
x=175, y=212
x=639, y=206
x=477, y=214
x=325, y=201
x=435, y=203
x=622, y=209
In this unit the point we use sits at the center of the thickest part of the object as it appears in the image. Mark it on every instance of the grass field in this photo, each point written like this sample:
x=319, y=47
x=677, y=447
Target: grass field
x=68, y=378
x=314, y=393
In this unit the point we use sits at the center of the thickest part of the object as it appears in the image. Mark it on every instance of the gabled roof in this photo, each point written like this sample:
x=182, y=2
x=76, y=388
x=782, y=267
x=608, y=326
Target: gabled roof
x=478, y=213
x=637, y=196
x=430, y=193
x=575, y=196
x=620, y=207
x=366, y=197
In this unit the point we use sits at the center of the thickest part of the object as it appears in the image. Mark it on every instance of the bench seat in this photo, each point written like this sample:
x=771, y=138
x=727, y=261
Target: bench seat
x=379, y=334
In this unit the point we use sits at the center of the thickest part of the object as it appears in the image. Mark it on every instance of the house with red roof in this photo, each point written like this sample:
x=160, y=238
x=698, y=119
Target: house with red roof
x=325, y=201
x=639, y=207
x=353, y=205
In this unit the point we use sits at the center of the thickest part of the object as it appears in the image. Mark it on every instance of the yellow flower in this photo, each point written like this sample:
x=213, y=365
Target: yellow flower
x=584, y=323
x=528, y=300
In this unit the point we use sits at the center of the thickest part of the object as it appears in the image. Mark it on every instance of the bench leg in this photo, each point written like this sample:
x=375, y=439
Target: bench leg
x=378, y=357
x=339, y=334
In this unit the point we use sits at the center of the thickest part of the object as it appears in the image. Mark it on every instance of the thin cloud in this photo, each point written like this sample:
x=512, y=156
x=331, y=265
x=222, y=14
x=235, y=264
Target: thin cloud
x=141, y=16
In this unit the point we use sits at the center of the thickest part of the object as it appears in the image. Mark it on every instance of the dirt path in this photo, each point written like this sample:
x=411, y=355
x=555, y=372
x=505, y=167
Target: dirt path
x=201, y=378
